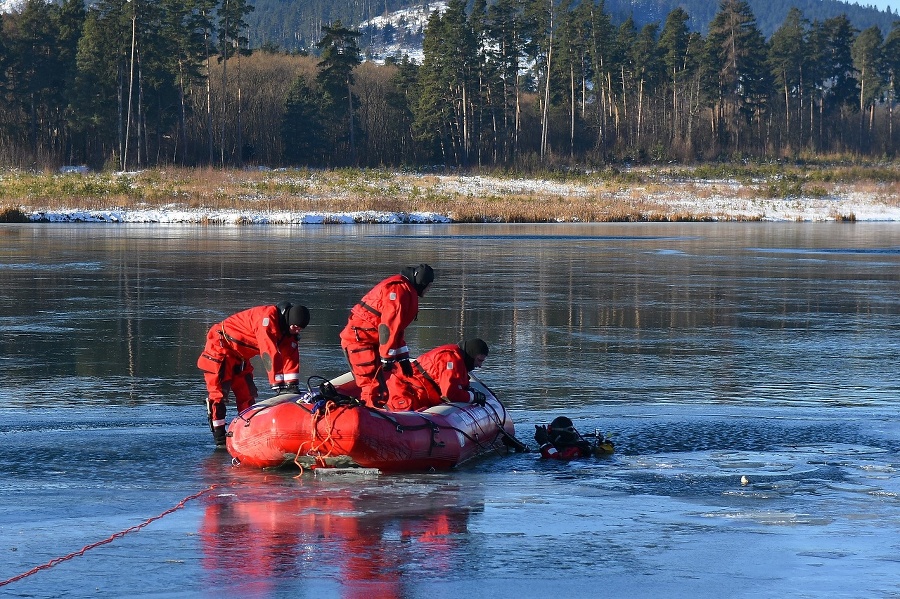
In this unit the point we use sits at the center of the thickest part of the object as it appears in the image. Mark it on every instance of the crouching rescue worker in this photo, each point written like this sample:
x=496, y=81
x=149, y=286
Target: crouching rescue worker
x=269, y=332
x=562, y=441
x=373, y=339
x=440, y=375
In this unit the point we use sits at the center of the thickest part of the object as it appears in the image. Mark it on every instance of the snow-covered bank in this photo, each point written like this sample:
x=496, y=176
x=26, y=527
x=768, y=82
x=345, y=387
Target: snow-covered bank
x=492, y=197
x=231, y=217
x=843, y=205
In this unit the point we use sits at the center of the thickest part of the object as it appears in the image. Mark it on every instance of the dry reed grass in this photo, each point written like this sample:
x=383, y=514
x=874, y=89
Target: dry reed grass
x=638, y=195
x=12, y=214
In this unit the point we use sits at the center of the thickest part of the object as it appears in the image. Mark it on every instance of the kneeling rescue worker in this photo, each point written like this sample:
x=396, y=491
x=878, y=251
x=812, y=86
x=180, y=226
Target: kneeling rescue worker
x=270, y=332
x=438, y=376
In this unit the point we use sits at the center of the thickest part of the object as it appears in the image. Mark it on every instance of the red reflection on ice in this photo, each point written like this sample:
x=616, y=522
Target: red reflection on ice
x=260, y=531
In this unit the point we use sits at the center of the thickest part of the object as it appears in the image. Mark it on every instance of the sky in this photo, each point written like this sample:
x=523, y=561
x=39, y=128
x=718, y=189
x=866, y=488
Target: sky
x=882, y=4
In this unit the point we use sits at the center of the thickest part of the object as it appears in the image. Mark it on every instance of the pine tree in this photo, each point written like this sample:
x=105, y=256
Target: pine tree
x=788, y=59
x=648, y=68
x=4, y=61
x=673, y=48
x=506, y=30
x=891, y=53
x=834, y=80
x=302, y=130
x=401, y=100
x=232, y=42
x=183, y=26
x=35, y=75
x=483, y=113
x=430, y=110
x=101, y=82
x=735, y=80
x=447, y=85
x=204, y=25
x=542, y=16
x=623, y=63
x=602, y=54
x=340, y=55
x=572, y=69
x=866, y=53
x=72, y=15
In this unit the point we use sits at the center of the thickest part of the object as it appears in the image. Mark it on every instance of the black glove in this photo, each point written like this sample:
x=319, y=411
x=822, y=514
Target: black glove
x=586, y=448
x=478, y=398
x=387, y=364
x=406, y=367
x=541, y=436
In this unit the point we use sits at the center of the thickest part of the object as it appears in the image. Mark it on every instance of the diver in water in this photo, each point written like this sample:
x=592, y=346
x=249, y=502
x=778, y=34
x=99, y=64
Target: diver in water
x=560, y=440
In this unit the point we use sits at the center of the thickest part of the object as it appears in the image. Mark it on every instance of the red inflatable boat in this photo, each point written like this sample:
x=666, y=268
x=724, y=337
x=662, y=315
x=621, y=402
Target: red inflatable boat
x=315, y=428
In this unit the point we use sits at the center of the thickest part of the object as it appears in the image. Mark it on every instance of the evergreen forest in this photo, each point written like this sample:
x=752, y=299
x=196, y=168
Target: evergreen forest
x=296, y=25
x=511, y=84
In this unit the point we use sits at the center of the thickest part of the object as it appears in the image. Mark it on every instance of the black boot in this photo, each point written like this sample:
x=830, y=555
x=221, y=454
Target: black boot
x=215, y=415
x=219, y=435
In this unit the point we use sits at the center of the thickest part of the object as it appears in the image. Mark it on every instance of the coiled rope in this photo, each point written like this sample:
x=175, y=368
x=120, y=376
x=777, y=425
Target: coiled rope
x=314, y=451
x=109, y=539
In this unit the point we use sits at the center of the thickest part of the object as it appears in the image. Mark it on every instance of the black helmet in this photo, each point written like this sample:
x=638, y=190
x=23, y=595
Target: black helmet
x=420, y=276
x=293, y=314
x=562, y=422
x=562, y=431
x=471, y=348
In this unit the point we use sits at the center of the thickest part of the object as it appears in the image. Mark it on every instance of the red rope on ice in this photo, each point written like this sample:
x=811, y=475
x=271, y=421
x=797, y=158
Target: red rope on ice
x=109, y=539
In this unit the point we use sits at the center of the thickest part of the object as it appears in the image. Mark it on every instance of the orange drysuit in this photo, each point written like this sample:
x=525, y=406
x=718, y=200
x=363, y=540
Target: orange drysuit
x=375, y=333
x=438, y=373
x=230, y=344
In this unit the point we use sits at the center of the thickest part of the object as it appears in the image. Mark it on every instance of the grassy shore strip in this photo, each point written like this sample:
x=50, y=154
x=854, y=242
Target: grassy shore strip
x=683, y=194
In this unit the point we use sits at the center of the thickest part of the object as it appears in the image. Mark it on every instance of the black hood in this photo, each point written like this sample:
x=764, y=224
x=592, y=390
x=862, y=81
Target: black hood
x=420, y=276
x=471, y=348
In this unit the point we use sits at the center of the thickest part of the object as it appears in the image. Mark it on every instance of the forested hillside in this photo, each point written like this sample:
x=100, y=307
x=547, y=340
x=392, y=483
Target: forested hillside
x=770, y=14
x=297, y=24
x=511, y=85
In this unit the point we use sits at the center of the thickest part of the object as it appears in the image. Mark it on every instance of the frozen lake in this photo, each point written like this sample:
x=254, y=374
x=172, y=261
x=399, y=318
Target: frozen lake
x=710, y=352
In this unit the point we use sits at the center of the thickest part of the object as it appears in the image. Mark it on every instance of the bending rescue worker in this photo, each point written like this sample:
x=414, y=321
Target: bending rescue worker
x=270, y=332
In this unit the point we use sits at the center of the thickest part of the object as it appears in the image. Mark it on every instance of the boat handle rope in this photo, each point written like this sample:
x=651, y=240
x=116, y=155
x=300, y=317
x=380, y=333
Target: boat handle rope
x=517, y=444
x=435, y=427
x=109, y=539
x=262, y=408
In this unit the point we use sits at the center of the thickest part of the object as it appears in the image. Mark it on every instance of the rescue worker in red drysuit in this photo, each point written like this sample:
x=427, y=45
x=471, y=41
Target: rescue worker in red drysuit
x=373, y=340
x=560, y=441
x=440, y=375
x=269, y=332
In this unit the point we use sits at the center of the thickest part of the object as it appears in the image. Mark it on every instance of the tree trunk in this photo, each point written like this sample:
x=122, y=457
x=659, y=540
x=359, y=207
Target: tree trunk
x=545, y=125
x=130, y=90
x=787, y=109
x=572, y=123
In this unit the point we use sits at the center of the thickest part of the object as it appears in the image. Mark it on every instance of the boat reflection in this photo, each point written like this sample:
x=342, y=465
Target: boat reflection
x=348, y=537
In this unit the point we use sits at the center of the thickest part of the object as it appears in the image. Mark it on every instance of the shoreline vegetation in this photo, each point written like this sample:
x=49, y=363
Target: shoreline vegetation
x=732, y=192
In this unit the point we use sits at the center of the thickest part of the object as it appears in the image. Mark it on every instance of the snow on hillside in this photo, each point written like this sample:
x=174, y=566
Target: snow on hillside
x=400, y=33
